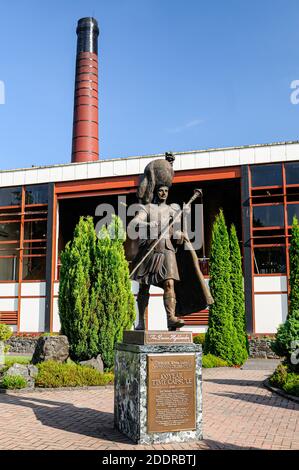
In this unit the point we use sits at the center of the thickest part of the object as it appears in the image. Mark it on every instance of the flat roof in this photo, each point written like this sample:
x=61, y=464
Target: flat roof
x=187, y=160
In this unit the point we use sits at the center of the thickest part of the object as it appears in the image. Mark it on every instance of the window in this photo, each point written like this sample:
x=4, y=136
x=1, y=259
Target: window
x=9, y=268
x=266, y=175
x=293, y=210
x=33, y=242
x=269, y=260
x=36, y=194
x=10, y=196
x=34, y=268
x=35, y=230
x=292, y=173
x=268, y=216
x=9, y=231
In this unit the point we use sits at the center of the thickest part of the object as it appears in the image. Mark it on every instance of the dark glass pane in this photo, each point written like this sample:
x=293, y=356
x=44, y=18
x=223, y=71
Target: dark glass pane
x=9, y=269
x=36, y=194
x=35, y=230
x=37, y=248
x=34, y=268
x=270, y=260
x=292, y=173
x=293, y=210
x=268, y=216
x=266, y=175
x=10, y=231
x=10, y=196
x=8, y=249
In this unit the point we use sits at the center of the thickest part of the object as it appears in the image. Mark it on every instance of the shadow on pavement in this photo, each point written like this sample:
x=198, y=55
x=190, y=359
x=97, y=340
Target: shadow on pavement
x=67, y=417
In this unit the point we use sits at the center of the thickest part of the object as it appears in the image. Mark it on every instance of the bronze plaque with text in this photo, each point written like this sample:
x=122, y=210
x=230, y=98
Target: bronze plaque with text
x=171, y=393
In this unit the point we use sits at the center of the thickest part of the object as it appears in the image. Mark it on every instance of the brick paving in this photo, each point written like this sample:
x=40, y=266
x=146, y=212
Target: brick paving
x=239, y=413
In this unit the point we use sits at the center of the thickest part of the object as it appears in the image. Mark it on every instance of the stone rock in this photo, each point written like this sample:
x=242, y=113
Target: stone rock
x=95, y=362
x=22, y=344
x=29, y=372
x=48, y=348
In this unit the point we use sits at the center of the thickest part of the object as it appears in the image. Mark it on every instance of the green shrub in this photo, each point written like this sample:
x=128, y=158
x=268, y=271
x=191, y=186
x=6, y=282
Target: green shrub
x=95, y=300
x=279, y=377
x=13, y=382
x=240, y=353
x=53, y=374
x=10, y=360
x=285, y=380
x=209, y=360
x=288, y=333
x=221, y=338
x=5, y=332
x=292, y=384
x=199, y=338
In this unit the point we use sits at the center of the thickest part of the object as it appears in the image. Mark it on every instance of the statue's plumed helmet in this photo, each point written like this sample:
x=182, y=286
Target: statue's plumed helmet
x=156, y=174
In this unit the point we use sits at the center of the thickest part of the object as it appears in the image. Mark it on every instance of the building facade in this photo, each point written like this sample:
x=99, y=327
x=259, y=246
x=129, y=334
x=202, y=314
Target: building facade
x=257, y=186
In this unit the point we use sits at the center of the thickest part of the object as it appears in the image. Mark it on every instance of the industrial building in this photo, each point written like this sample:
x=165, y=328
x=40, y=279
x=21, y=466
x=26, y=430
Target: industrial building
x=257, y=186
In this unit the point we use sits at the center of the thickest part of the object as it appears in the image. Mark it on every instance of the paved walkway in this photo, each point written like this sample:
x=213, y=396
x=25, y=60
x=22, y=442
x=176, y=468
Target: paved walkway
x=239, y=413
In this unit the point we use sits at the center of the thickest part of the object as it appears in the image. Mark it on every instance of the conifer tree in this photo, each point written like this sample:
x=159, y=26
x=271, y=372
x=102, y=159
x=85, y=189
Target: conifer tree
x=112, y=296
x=287, y=335
x=221, y=338
x=241, y=352
x=95, y=300
x=78, y=319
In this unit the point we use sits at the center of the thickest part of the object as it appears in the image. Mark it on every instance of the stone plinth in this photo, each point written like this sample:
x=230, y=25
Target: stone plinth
x=158, y=389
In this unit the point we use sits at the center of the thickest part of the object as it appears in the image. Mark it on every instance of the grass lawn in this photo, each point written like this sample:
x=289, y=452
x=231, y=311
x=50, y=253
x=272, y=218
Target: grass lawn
x=10, y=360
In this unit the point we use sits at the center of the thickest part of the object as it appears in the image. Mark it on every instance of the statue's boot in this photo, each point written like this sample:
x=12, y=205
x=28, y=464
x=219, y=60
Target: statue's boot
x=173, y=322
x=142, y=302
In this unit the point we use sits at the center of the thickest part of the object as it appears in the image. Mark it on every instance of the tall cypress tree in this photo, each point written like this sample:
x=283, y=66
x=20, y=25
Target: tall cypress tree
x=221, y=338
x=78, y=319
x=241, y=352
x=112, y=296
x=287, y=335
x=95, y=299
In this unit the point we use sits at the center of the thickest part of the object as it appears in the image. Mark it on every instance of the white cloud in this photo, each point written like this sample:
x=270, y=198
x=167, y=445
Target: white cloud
x=188, y=125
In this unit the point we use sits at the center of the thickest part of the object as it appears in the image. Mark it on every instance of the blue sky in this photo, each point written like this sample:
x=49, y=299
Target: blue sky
x=174, y=75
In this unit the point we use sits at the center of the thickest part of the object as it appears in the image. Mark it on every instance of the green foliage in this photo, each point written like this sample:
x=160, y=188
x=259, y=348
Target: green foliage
x=294, y=269
x=287, y=335
x=210, y=360
x=11, y=360
x=286, y=380
x=279, y=377
x=53, y=374
x=236, y=277
x=13, y=382
x=5, y=332
x=95, y=299
x=78, y=318
x=221, y=338
x=199, y=338
x=111, y=294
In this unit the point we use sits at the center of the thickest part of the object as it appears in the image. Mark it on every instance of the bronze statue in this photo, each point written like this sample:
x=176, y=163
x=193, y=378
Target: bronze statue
x=165, y=256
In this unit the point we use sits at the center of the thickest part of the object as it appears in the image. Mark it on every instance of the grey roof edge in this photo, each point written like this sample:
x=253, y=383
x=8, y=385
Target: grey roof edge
x=157, y=155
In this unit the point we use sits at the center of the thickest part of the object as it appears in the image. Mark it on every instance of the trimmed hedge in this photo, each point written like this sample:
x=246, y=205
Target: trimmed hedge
x=52, y=374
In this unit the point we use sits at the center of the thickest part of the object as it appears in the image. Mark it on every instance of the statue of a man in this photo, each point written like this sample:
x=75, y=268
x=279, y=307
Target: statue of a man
x=164, y=263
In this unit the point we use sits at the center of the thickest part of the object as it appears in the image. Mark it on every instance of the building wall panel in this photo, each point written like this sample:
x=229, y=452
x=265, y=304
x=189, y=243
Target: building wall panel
x=32, y=318
x=270, y=312
x=56, y=319
x=8, y=289
x=33, y=288
x=8, y=305
x=270, y=284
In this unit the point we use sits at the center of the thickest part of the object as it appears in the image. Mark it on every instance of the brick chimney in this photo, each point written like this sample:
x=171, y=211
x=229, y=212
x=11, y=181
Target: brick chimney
x=85, y=145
